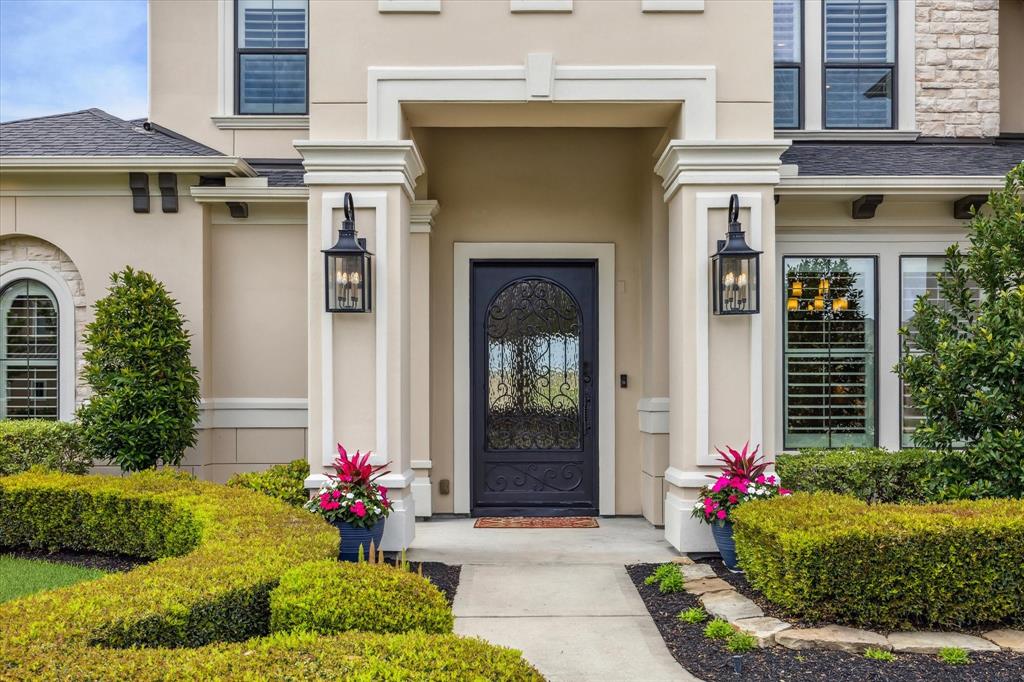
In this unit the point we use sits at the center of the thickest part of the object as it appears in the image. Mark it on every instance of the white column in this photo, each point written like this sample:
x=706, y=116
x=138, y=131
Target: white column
x=420, y=222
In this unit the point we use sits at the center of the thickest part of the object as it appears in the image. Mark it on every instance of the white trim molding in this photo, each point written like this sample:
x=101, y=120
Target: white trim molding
x=409, y=6
x=390, y=87
x=421, y=215
x=605, y=256
x=521, y=6
x=705, y=202
x=834, y=134
x=230, y=165
x=653, y=415
x=709, y=162
x=250, y=195
x=856, y=185
x=66, y=365
x=672, y=6
x=359, y=162
x=254, y=413
x=261, y=122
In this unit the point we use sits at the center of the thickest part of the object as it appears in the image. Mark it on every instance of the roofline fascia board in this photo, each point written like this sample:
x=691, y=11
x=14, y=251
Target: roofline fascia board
x=120, y=164
x=213, y=195
x=856, y=185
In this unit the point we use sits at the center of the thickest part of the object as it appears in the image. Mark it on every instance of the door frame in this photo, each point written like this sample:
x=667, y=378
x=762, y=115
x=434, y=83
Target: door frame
x=604, y=254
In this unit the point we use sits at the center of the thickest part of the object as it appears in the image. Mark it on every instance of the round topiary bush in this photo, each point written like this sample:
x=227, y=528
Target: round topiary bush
x=329, y=597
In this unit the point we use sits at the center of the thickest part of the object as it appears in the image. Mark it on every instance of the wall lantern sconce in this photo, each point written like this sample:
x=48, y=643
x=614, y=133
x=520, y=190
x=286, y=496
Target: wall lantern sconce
x=735, y=271
x=347, y=268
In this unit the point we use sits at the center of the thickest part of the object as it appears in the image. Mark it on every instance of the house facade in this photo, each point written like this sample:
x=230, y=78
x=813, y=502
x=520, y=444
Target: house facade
x=542, y=185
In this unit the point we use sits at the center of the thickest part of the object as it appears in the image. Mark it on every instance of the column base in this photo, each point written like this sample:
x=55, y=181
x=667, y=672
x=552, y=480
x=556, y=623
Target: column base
x=682, y=531
x=421, y=494
x=400, y=528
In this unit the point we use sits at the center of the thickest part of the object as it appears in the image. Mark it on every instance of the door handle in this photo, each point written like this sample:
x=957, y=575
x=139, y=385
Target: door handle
x=585, y=380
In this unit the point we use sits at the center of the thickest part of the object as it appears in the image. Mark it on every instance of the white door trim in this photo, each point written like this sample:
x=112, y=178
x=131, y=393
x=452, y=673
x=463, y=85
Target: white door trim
x=605, y=256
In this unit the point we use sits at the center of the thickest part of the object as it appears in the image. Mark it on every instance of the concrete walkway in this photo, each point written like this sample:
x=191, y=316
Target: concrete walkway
x=561, y=596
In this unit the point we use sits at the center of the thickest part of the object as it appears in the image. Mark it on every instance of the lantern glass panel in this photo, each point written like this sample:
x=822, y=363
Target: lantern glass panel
x=348, y=282
x=737, y=285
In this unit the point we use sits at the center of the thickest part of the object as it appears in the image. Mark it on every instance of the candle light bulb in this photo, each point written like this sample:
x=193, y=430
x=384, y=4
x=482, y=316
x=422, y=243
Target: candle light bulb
x=823, y=286
x=798, y=288
x=355, y=279
x=819, y=302
x=343, y=278
x=741, y=280
x=730, y=279
x=792, y=304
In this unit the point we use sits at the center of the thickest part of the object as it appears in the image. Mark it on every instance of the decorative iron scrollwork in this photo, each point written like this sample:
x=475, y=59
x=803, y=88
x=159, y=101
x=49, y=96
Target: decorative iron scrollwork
x=533, y=476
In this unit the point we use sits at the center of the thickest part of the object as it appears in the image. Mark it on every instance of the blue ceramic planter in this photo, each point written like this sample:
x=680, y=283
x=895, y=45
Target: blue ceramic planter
x=352, y=537
x=722, y=533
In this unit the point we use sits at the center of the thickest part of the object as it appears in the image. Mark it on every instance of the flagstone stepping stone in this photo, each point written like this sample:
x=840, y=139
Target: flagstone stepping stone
x=682, y=560
x=705, y=585
x=1011, y=640
x=762, y=629
x=834, y=637
x=931, y=642
x=697, y=572
x=731, y=606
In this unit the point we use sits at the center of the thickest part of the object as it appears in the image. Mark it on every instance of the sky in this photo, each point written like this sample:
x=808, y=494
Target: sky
x=65, y=55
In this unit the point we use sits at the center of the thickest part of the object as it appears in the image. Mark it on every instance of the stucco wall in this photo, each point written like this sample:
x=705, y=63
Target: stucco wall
x=501, y=185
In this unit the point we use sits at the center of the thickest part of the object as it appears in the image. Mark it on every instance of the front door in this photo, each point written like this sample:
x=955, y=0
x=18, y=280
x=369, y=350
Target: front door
x=534, y=387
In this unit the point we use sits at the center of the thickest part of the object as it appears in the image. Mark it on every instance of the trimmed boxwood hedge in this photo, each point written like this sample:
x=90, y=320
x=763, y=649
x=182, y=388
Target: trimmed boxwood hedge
x=329, y=597
x=194, y=612
x=869, y=474
x=27, y=443
x=832, y=557
x=286, y=482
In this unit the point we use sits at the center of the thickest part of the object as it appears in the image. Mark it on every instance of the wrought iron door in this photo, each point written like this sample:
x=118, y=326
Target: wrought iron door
x=534, y=387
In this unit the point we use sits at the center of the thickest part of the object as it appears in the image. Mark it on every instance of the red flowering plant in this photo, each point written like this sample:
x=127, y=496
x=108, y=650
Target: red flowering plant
x=742, y=479
x=352, y=493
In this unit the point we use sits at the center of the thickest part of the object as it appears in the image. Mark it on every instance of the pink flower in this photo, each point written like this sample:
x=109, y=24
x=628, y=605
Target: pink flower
x=336, y=494
x=733, y=499
x=324, y=498
x=383, y=490
x=359, y=509
x=721, y=514
x=761, y=479
x=722, y=482
x=784, y=491
x=771, y=480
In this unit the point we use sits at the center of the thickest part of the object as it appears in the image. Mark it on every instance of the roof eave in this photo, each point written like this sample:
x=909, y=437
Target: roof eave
x=206, y=195
x=202, y=165
x=855, y=185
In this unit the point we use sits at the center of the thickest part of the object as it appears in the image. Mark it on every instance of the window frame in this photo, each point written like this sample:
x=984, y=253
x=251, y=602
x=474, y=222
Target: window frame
x=859, y=66
x=239, y=51
x=875, y=412
x=59, y=407
x=798, y=66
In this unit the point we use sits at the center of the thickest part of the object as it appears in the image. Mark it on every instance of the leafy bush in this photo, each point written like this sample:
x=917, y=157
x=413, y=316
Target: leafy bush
x=329, y=597
x=718, y=629
x=953, y=655
x=832, y=557
x=285, y=482
x=963, y=358
x=869, y=474
x=667, y=577
x=740, y=642
x=38, y=442
x=145, y=391
x=693, y=615
x=879, y=655
x=221, y=552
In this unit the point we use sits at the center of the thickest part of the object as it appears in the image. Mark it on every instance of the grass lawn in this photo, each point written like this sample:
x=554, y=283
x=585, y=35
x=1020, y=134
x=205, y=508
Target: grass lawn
x=19, y=577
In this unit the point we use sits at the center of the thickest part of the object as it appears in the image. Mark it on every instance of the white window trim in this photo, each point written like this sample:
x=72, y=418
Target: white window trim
x=672, y=6
x=409, y=6
x=52, y=280
x=518, y=6
x=906, y=117
x=605, y=255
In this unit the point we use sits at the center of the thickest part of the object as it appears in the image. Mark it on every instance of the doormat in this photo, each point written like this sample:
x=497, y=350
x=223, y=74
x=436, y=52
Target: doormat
x=536, y=522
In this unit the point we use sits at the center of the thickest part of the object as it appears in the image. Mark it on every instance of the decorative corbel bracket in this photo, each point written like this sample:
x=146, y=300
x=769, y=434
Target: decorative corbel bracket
x=962, y=207
x=139, y=185
x=864, y=208
x=168, y=183
x=238, y=209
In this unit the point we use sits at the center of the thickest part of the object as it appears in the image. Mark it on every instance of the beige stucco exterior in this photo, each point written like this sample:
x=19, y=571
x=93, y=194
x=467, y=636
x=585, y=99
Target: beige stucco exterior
x=606, y=127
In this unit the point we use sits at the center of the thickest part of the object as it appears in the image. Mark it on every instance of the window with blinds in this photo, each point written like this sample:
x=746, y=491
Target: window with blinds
x=788, y=25
x=859, y=63
x=829, y=352
x=272, y=38
x=29, y=362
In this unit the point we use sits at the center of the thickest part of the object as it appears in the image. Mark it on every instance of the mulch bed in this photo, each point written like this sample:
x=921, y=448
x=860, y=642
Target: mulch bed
x=711, y=661
x=110, y=563
x=444, y=577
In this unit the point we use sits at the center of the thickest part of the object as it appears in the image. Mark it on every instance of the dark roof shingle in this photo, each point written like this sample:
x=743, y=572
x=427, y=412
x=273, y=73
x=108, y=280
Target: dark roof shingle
x=905, y=158
x=280, y=172
x=93, y=132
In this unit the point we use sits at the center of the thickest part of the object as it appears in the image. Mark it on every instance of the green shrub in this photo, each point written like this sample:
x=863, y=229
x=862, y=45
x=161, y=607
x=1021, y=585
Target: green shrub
x=963, y=356
x=832, y=557
x=285, y=482
x=718, y=629
x=953, y=655
x=879, y=655
x=145, y=391
x=660, y=573
x=869, y=474
x=741, y=642
x=195, y=610
x=25, y=443
x=693, y=615
x=330, y=597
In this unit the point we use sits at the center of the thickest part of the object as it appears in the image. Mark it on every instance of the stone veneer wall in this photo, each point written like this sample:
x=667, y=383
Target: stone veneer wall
x=19, y=248
x=957, y=59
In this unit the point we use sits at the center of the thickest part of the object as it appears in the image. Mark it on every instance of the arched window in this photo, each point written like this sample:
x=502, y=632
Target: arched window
x=29, y=351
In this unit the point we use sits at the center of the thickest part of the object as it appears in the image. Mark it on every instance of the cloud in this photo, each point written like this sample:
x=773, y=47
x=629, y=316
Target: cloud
x=65, y=55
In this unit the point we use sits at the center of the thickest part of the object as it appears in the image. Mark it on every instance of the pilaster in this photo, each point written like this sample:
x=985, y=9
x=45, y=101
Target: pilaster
x=421, y=220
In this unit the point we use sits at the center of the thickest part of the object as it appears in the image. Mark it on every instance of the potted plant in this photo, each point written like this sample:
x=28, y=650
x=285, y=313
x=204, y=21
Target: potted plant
x=742, y=479
x=354, y=503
